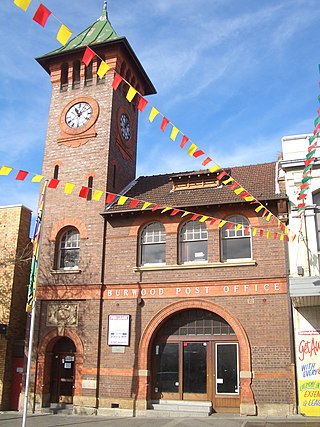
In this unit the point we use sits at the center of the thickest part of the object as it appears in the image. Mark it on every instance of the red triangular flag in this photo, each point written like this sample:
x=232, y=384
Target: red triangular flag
x=206, y=161
x=134, y=203
x=110, y=198
x=84, y=192
x=221, y=175
x=88, y=56
x=261, y=233
x=194, y=217
x=230, y=225
x=42, y=14
x=116, y=81
x=155, y=207
x=174, y=212
x=164, y=124
x=21, y=175
x=185, y=139
x=142, y=104
x=198, y=153
x=53, y=183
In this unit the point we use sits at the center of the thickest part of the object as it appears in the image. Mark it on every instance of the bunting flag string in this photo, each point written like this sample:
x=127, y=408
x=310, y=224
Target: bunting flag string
x=41, y=16
x=308, y=163
x=120, y=200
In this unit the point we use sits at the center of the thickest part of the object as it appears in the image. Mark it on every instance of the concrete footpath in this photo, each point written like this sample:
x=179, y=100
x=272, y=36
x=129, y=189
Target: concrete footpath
x=14, y=419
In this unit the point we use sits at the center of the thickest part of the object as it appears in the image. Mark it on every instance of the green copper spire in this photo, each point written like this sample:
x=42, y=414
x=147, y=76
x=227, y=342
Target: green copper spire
x=99, y=32
x=104, y=11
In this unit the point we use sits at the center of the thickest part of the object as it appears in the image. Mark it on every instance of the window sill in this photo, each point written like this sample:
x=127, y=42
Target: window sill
x=66, y=271
x=189, y=266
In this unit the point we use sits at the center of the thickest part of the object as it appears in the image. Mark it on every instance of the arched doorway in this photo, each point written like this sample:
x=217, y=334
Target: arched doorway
x=62, y=379
x=195, y=356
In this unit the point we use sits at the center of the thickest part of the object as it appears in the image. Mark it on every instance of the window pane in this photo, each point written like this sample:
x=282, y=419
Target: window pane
x=69, y=258
x=227, y=368
x=194, y=251
x=153, y=254
x=69, y=249
x=236, y=248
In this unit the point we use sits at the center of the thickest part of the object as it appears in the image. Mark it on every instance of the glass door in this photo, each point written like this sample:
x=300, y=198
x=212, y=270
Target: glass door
x=167, y=362
x=194, y=371
x=227, y=372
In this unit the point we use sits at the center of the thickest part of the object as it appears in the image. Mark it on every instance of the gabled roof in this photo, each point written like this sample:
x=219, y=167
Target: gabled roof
x=259, y=180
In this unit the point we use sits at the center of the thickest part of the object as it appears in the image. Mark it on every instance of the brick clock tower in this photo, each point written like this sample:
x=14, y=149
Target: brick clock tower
x=91, y=141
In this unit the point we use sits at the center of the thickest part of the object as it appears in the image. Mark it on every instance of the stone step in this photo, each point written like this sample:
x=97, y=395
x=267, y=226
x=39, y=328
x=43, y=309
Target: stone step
x=190, y=408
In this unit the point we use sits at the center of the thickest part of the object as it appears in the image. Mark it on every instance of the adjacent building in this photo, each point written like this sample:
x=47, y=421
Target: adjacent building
x=304, y=276
x=179, y=292
x=15, y=250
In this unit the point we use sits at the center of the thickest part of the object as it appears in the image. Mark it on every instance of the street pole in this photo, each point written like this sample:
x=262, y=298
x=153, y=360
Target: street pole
x=33, y=310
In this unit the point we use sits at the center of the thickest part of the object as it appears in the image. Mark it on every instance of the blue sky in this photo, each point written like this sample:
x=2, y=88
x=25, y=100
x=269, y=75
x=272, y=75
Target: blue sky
x=234, y=75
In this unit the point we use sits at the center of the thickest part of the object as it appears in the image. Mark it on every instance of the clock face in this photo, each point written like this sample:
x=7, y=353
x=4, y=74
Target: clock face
x=78, y=115
x=125, y=127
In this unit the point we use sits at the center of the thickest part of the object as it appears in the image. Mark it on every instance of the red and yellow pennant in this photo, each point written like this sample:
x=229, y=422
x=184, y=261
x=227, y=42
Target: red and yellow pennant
x=121, y=200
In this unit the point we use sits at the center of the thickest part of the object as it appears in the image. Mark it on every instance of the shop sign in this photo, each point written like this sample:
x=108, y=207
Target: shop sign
x=307, y=337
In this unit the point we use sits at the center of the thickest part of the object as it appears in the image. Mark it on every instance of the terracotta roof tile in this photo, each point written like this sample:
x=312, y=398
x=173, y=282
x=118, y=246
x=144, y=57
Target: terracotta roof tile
x=259, y=180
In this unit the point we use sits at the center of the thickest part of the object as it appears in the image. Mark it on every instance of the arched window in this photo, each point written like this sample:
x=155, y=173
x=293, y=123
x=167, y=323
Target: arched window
x=88, y=75
x=193, y=242
x=90, y=186
x=235, y=239
x=68, y=249
x=152, y=246
x=64, y=77
x=76, y=75
x=56, y=172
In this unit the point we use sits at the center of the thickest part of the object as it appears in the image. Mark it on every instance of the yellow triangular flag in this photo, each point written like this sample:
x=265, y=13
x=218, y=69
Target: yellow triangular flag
x=97, y=195
x=258, y=209
x=222, y=223
x=268, y=234
x=165, y=210
x=174, y=133
x=154, y=112
x=203, y=219
x=122, y=200
x=238, y=227
x=228, y=180
x=268, y=217
x=249, y=199
x=281, y=236
x=103, y=69
x=5, y=170
x=23, y=4
x=254, y=231
x=68, y=188
x=145, y=205
x=215, y=168
x=238, y=190
x=37, y=178
x=131, y=93
x=192, y=149
x=185, y=214
x=63, y=34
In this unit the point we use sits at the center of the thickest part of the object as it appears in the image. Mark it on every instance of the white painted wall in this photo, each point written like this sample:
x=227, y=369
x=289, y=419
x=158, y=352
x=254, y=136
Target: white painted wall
x=303, y=251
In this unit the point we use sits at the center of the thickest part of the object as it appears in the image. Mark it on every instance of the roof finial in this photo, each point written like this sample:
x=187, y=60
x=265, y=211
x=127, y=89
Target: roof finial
x=104, y=14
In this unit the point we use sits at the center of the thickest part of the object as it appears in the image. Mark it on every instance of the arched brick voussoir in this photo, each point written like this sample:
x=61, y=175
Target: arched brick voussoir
x=71, y=222
x=49, y=340
x=161, y=316
x=247, y=403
